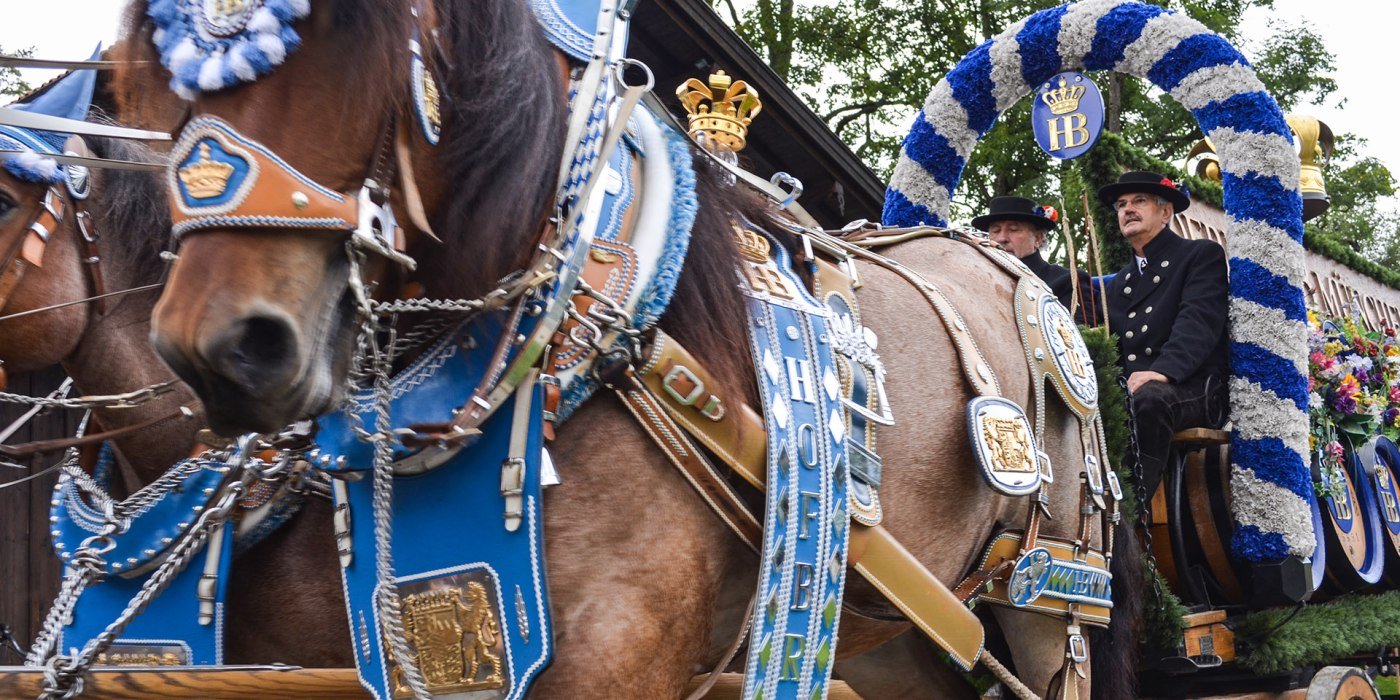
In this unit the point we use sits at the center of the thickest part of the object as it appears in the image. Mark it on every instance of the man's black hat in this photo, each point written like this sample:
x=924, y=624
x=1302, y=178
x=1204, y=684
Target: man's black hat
x=1017, y=209
x=1146, y=183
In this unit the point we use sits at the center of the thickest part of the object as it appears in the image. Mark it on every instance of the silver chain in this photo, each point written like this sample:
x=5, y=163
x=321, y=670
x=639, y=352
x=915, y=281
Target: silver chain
x=64, y=674
x=379, y=365
x=130, y=399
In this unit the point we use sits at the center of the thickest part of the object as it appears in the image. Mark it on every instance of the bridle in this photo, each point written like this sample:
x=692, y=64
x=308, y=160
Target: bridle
x=220, y=179
x=60, y=200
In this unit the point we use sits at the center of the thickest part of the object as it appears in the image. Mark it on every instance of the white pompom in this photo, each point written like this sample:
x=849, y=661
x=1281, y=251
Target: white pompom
x=211, y=74
x=46, y=168
x=184, y=52
x=300, y=8
x=272, y=45
x=158, y=37
x=238, y=62
x=264, y=22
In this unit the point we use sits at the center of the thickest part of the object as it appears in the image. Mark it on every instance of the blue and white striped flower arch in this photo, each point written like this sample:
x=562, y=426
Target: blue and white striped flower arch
x=1270, y=478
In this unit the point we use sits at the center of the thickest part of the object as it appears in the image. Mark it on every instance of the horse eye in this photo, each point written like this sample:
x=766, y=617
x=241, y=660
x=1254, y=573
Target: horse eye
x=6, y=205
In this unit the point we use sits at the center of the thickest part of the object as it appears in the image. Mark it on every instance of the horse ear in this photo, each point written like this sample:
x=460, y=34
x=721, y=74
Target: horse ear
x=69, y=97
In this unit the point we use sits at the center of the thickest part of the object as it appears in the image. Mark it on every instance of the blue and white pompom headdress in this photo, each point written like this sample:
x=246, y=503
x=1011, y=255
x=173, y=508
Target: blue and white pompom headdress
x=68, y=97
x=209, y=45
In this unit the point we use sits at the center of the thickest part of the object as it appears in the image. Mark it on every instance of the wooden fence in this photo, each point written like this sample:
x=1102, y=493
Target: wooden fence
x=29, y=573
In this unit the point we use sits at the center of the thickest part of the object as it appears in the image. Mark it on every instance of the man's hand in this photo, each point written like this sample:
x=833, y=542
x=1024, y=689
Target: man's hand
x=1137, y=379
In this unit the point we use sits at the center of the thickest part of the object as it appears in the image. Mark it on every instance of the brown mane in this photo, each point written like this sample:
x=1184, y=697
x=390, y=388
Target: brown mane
x=503, y=116
x=131, y=212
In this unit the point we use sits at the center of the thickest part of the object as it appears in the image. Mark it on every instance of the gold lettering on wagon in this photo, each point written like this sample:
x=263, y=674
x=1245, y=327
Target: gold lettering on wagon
x=455, y=634
x=1010, y=444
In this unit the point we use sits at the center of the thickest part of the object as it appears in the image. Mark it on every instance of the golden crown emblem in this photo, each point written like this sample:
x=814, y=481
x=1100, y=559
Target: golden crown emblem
x=722, y=110
x=1063, y=100
x=752, y=245
x=205, y=177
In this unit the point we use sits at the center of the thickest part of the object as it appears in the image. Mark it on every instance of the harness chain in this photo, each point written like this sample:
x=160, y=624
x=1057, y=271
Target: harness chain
x=63, y=674
x=1144, y=502
x=380, y=361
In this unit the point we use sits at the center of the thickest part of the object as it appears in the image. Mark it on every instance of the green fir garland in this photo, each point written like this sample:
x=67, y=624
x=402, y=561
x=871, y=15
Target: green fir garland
x=1270, y=642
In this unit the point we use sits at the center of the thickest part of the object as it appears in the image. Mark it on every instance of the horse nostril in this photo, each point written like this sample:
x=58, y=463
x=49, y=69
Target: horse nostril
x=256, y=352
x=265, y=341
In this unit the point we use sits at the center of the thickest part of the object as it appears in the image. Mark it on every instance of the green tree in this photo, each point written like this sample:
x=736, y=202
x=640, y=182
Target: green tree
x=11, y=83
x=866, y=67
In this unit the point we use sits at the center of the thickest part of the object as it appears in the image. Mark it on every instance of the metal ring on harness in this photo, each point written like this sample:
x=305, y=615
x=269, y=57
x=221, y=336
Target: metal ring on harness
x=620, y=73
x=780, y=178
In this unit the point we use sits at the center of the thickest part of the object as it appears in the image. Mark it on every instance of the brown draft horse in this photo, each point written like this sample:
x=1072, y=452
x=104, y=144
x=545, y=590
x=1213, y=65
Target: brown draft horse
x=648, y=587
x=110, y=352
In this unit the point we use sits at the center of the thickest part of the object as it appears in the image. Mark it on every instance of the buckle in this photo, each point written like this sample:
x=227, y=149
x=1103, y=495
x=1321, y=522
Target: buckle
x=1078, y=651
x=713, y=408
x=668, y=382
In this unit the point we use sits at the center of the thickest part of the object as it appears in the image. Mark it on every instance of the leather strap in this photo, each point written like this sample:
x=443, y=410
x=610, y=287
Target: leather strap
x=28, y=249
x=87, y=232
x=692, y=463
x=975, y=367
x=729, y=429
x=39, y=447
x=918, y=594
x=738, y=439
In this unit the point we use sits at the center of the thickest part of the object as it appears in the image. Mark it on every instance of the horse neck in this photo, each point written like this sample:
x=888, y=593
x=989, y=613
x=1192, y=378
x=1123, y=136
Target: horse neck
x=115, y=356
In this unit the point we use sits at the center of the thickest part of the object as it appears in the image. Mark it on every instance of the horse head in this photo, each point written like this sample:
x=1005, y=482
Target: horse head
x=284, y=188
x=42, y=235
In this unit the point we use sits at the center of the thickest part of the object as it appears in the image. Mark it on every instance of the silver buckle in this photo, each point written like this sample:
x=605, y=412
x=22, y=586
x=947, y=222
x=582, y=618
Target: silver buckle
x=377, y=229
x=675, y=373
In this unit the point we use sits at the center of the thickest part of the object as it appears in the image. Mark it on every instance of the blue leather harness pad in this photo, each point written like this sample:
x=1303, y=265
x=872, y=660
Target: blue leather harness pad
x=457, y=567
x=168, y=632
x=802, y=569
x=151, y=529
x=569, y=24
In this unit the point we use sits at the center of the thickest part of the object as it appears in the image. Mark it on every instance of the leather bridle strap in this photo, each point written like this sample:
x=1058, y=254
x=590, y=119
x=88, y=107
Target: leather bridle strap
x=40, y=447
x=220, y=179
x=28, y=249
x=87, y=231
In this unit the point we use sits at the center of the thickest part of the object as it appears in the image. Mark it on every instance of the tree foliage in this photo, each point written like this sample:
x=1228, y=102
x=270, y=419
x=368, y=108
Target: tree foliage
x=866, y=66
x=11, y=83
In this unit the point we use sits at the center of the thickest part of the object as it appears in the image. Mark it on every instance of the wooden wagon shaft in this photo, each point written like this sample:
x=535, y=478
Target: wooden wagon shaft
x=236, y=683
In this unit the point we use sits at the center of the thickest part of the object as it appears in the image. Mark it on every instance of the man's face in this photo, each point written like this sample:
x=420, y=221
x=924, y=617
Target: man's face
x=1019, y=237
x=1141, y=215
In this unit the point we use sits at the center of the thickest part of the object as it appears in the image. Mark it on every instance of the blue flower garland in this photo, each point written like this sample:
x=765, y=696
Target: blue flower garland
x=205, y=52
x=1209, y=77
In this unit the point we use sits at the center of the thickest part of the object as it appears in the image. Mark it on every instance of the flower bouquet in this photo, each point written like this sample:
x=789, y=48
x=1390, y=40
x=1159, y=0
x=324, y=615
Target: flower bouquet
x=1353, y=388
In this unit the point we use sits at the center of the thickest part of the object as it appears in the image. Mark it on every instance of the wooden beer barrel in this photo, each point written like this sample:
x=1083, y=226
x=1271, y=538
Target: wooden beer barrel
x=1381, y=460
x=1352, y=533
x=1205, y=570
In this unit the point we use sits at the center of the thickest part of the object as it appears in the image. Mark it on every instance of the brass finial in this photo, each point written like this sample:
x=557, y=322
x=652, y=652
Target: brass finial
x=1315, y=143
x=722, y=110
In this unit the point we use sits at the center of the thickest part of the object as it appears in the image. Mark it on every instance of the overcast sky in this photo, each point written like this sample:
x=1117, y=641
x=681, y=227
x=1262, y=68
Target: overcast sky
x=1353, y=29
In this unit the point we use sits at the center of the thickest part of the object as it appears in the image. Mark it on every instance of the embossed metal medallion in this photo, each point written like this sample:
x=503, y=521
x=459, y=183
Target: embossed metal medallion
x=1029, y=577
x=1004, y=444
x=1072, y=368
x=453, y=624
x=226, y=18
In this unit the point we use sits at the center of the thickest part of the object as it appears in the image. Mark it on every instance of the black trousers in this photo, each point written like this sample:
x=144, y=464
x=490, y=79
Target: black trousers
x=1162, y=409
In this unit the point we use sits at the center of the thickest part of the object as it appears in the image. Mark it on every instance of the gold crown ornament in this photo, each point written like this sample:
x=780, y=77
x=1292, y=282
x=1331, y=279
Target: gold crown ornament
x=206, y=177
x=1063, y=99
x=722, y=110
x=752, y=245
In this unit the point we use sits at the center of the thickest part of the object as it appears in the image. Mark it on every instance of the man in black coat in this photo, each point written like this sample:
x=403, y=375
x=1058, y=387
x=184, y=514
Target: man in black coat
x=1019, y=226
x=1169, y=307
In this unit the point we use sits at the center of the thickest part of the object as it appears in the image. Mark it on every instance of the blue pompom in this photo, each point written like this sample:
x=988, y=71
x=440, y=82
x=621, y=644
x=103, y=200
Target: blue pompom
x=1039, y=43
